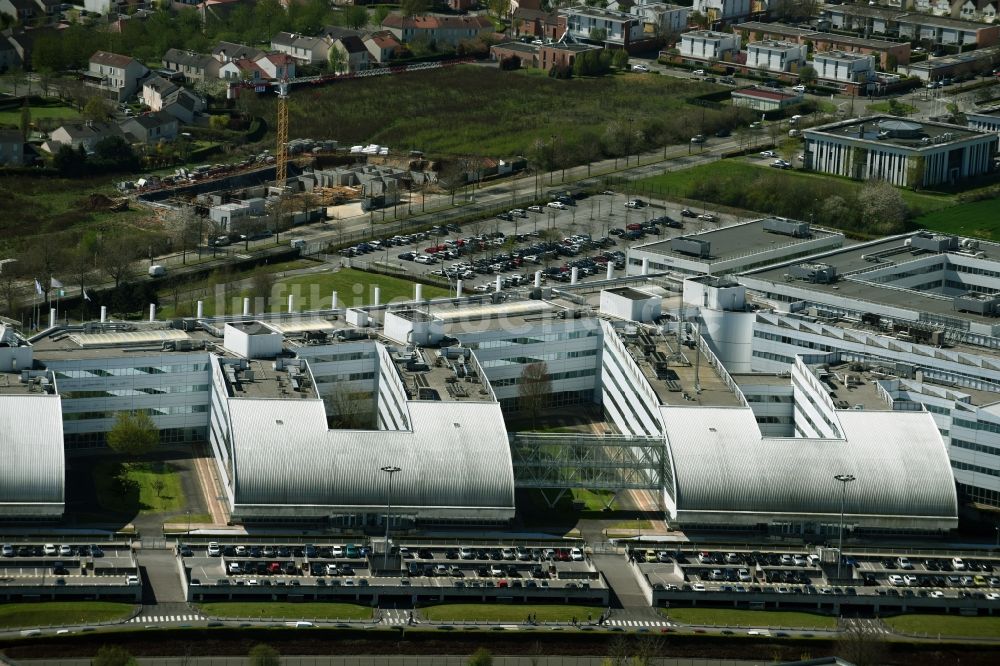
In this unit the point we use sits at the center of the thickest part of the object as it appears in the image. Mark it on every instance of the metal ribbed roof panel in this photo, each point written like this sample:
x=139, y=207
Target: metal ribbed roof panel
x=722, y=463
x=34, y=468
x=457, y=455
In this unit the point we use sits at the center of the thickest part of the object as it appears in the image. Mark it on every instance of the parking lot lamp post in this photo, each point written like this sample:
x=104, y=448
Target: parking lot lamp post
x=390, y=470
x=844, y=480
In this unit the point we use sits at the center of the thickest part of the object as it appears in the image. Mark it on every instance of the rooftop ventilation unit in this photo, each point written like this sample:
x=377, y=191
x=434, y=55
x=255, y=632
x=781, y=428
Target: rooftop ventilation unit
x=691, y=246
x=786, y=227
x=815, y=273
x=933, y=242
x=981, y=304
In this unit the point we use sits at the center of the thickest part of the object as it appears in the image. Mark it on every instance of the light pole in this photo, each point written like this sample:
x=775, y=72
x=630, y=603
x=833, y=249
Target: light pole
x=390, y=470
x=844, y=480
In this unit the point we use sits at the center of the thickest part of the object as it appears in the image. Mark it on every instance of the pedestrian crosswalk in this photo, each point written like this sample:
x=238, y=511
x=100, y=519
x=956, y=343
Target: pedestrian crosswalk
x=394, y=616
x=637, y=623
x=150, y=619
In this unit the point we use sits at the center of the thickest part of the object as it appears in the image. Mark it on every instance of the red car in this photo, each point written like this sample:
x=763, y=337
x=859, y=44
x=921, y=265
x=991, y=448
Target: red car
x=274, y=568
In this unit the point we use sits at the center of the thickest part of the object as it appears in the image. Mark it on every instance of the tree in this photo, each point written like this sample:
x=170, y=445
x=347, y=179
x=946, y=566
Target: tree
x=113, y=655
x=349, y=410
x=481, y=657
x=807, y=75
x=598, y=34
x=883, y=209
x=262, y=284
x=498, y=9
x=117, y=256
x=264, y=655
x=25, y=120
x=533, y=389
x=134, y=434
x=158, y=484
x=356, y=17
x=96, y=109
x=379, y=14
x=414, y=7
x=620, y=59
x=337, y=60
x=861, y=644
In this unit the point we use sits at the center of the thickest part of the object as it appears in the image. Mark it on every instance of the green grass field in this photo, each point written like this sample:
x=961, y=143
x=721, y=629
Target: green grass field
x=749, y=618
x=508, y=613
x=61, y=612
x=312, y=291
x=290, y=611
x=53, y=112
x=682, y=183
x=979, y=218
x=139, y=495
x=946, y=625
x=472, y=110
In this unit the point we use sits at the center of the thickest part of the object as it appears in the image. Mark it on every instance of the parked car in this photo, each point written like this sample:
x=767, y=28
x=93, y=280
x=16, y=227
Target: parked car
x=640, y=68
x=699, y=72
x=558, y=205
x=799, y=88
x=698, y=138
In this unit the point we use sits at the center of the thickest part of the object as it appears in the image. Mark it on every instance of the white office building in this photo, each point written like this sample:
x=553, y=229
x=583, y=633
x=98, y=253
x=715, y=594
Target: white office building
x=901, y=152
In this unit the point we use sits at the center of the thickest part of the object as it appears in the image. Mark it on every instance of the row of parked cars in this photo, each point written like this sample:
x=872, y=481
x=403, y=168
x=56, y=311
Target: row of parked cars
x=349, y=551
x=939, y=564
x=51, y=550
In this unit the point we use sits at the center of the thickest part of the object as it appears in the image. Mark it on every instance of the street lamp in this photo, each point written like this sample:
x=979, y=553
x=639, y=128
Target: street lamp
x=844, y=480
x=390, y=470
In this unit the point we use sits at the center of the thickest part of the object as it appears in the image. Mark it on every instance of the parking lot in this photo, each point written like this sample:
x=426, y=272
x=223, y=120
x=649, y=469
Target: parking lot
x=52, y=570
x=352, y=571
x=584, y=233
x=672, y=576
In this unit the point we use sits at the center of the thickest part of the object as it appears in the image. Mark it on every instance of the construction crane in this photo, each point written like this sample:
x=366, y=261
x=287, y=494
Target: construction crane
x=281, y=152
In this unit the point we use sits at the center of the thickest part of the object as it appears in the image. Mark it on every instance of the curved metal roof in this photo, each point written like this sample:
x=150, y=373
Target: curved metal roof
x=722, y=463
x=33, y=470
x=456, y=458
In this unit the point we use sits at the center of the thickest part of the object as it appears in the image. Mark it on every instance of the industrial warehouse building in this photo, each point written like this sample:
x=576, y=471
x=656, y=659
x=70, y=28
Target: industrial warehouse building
x=736, y=385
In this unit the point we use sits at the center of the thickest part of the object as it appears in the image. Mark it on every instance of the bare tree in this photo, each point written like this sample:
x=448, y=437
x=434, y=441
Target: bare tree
x=533, y=389
x=861, y=643
x=117, y=256
x=349, y=410
x=883, y=209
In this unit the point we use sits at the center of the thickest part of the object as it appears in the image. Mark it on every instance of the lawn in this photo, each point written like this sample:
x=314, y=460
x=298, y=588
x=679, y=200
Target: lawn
x=472, y=110
x=61, y=613
x=749, y=618
x=296, y=611
x=946, y=625
x=131, y=489
x=593, y=501
x=312, y=291
x=979, y=218
x=55, y=111
x=682, y=183
x=898, y=108
x=509, y=613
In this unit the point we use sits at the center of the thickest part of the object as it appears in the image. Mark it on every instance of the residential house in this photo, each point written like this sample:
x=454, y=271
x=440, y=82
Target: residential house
x=159, y=94
x=707, y=45
x=194, y=66
x=382, y=45
x=11, y=147
x=8, y=55
x=843, y=67
x=976, y=10
x=219, y=10
x=531, y=20
x=776, y=56
x=23, y=11
x=449, y=30
x=265, y=67
x=602, y=25
x=150, y=128
x=970, y=63
x=226, y=52
x=911, y=25
x=354, y=55
x=117, y=76
x=888, y=54
x=306, y=50
x=542, y=56
x=722, y=11
x=86, y=134
x=764, y=99
x=660, y=18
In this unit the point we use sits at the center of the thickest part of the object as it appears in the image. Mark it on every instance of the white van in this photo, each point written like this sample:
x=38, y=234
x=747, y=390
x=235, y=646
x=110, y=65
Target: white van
x=157, y=271
x=298, y=243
